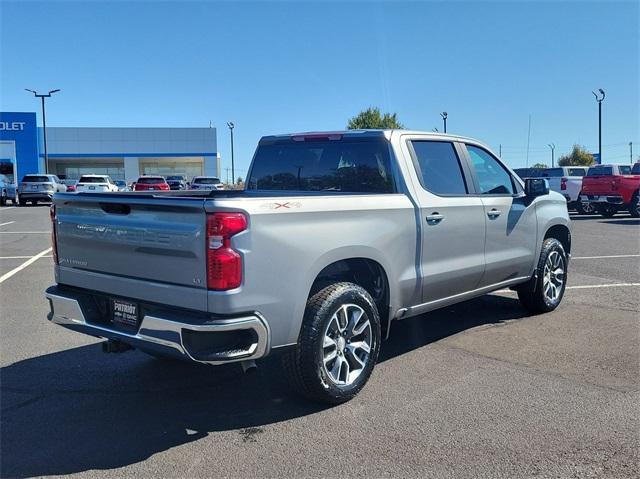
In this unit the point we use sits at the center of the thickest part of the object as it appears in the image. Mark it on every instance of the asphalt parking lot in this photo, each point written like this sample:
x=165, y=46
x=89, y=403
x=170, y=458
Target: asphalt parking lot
x=476, y=390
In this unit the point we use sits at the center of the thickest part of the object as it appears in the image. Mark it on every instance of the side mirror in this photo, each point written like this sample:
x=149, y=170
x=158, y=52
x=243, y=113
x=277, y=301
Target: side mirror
x=534, y=187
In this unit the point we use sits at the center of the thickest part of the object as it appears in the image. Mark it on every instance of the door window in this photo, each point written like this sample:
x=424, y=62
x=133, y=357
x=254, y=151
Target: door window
x=439, y=167
x=493, y=178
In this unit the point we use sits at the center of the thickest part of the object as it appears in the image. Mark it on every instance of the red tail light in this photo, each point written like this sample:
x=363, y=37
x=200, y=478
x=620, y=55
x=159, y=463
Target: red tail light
x=563, y=183
x=54, y=244
x=224, y=264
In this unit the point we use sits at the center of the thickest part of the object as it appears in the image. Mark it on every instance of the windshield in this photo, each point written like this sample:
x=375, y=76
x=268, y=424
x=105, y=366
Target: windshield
x=93, y=179
x=206, y=181
x=150, y=180
x=625, y=170
x=120, y=183
x=175, y=178
x=347, y=165
x=36, y=179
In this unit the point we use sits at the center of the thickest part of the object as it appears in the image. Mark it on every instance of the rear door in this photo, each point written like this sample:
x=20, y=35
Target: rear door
x=452, y=220
x=511, y=224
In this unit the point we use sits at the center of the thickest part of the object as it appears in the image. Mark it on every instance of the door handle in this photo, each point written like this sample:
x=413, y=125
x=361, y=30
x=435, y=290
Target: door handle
x=494, y=213
x=434, y=218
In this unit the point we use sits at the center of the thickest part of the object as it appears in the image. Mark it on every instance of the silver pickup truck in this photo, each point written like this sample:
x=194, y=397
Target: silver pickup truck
x=335, y=236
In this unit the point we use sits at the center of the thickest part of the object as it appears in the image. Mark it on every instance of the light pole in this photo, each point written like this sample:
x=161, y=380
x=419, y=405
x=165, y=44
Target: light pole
x=44, y=124
x=599, y=99
x=444, y=119
x=553, y=147
x=233, y=171
x=631, y=152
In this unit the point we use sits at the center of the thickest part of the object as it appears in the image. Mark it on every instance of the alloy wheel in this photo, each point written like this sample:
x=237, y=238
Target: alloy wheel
x=553, y=276
x=347, y=342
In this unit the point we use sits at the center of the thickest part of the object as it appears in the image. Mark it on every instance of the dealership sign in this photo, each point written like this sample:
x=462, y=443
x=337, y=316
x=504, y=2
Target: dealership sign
x=12, y=126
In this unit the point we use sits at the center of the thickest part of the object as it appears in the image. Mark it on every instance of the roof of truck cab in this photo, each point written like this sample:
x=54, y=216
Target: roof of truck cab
x=368, y=133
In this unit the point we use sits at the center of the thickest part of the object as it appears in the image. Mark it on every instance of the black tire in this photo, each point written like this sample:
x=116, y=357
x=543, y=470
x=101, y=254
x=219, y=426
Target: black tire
x=585, y=208
x=34, y=202
x=3, y=199
x=23, y=202
x=607, y=211
x=634, y=206
x=305, y=363
x=531, y=294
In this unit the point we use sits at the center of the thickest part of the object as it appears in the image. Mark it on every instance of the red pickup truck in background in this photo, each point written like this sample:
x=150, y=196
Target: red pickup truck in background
x=611, y=188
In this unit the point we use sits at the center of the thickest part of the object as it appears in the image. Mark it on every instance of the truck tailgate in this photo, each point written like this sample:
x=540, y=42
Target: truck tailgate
x=134, y=236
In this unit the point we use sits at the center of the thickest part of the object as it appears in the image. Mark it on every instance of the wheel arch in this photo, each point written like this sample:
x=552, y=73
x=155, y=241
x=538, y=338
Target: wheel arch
x=562, y=233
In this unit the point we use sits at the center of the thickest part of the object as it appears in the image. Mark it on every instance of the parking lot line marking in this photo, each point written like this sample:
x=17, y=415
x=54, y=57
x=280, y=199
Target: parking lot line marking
x=24, y=232
x=608, y=256
x=23, y=257
x=585, y=286
x=7, y=223
x=610, y=285
x=33, y=259
x=7, y=208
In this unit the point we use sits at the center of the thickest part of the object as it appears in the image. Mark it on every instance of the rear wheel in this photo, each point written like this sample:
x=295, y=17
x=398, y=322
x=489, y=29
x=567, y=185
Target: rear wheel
x=543, y=292
x=338, y=344
x=585, y=208
x=634, y=206
x=607, y=211
x=23, y=202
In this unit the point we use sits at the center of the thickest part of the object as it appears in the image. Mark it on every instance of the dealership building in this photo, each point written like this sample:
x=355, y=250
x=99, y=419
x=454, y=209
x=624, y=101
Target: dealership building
x=122, y=153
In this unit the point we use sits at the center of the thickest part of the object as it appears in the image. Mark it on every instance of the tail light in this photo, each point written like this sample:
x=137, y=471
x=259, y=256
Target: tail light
x=563, y=183
x=224, y=264
x=54, y=244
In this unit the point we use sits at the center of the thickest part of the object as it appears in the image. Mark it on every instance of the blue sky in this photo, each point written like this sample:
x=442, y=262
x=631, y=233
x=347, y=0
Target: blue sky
x=276, y=67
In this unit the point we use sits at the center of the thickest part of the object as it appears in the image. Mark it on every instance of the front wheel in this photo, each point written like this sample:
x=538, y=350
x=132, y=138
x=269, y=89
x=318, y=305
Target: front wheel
x=543, y=292
x=338, y=344
x=634, y=206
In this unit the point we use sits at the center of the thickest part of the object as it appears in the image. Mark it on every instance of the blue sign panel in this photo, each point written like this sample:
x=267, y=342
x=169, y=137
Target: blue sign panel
x=19, y=133
x=596, y=158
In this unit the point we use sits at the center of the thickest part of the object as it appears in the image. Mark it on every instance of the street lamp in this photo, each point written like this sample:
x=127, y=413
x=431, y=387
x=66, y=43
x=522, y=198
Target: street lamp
x=599, y=99
x=553, y=147
x=233, y=171
x=42, y=96
x=444, y=119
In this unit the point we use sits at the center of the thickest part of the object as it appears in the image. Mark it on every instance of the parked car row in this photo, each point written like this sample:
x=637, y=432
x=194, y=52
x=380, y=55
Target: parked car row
x=41, y=187
x=601, y=189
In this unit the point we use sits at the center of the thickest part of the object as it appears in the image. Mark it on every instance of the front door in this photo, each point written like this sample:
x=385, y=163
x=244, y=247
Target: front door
x=510, y=222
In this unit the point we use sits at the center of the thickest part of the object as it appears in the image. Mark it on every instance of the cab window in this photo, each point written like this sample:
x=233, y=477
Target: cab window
x=493, y=178
x=439, y=167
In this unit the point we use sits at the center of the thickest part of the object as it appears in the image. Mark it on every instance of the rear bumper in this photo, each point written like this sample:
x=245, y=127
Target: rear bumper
x=608, y=199
x=205, y=340
x=36, y=196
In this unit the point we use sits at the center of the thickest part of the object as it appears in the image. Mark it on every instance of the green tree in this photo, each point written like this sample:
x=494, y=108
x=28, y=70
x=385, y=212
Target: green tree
x=539, y=165
x=579, y=156
x=372, y=118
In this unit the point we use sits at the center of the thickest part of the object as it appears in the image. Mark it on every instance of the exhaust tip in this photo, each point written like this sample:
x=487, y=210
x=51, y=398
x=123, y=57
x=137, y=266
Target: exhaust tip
x=249, y=367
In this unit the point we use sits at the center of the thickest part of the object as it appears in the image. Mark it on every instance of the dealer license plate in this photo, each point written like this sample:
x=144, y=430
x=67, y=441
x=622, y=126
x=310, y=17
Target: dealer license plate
x=125, y=313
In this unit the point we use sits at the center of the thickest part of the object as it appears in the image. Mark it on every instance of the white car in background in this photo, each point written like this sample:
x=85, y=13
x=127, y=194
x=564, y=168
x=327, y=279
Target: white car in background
x=567, y=180
x=206, y=183
x=95, y=184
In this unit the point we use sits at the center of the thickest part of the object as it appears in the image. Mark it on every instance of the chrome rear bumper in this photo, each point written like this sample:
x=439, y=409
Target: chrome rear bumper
x=166, y=335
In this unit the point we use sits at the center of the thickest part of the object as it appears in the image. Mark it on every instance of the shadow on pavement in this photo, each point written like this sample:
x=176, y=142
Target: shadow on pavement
x=78, y=410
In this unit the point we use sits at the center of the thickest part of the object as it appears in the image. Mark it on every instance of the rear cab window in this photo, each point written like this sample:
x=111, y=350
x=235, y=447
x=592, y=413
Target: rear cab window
x=636, y=169
x=552, y=173
x=624, y=170
x=600, y=171
x=576, y=171
x=334, y=163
